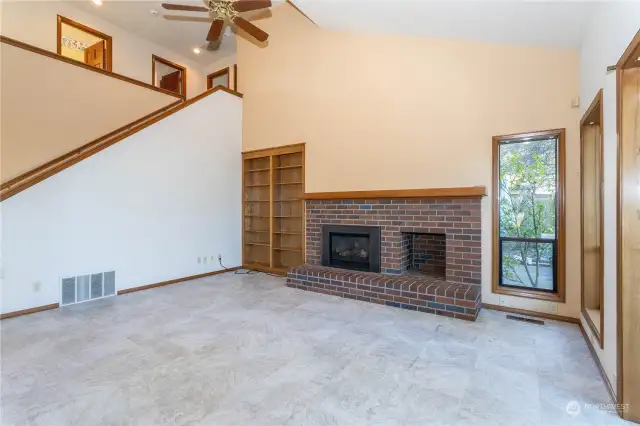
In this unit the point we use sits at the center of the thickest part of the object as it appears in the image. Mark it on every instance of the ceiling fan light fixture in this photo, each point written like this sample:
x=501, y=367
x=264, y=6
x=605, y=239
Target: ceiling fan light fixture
x=222, y=9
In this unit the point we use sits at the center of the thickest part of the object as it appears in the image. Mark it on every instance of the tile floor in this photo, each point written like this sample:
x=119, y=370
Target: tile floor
x=246, y=350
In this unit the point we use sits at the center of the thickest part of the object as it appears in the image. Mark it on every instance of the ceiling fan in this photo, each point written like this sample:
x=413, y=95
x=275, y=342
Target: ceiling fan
x=227, y=11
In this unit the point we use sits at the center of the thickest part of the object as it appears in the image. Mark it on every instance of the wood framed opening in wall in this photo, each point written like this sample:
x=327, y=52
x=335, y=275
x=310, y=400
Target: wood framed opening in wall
x=628, y=232
x=219, y=78
x=84, y=44
x=528, y=215
x=169, y=75
x=592, y=218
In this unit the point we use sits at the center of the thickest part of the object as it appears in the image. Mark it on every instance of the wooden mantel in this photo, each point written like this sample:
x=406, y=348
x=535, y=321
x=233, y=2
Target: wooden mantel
x=460, y=192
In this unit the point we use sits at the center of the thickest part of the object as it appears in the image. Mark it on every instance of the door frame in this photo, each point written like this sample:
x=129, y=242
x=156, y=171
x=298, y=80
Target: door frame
x=596, y=107
x=624, y=288
x=107, y=38
x=218, y=73
x=179, y=67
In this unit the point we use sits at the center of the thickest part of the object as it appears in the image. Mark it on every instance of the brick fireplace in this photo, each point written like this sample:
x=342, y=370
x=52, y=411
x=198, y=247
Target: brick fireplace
x=431, y=246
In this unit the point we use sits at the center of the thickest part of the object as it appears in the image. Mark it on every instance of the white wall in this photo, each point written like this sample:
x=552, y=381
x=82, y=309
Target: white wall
x=611, y=28
x=35, y=22
x=146, y=207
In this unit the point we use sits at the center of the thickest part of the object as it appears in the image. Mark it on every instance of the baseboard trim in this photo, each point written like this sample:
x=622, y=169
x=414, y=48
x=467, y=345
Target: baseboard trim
x=531, y=313
x=599, y=365
x=632, y=419
x=29, y=311
x=175, y=281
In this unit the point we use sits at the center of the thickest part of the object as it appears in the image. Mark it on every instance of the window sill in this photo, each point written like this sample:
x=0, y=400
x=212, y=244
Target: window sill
x=530, y=294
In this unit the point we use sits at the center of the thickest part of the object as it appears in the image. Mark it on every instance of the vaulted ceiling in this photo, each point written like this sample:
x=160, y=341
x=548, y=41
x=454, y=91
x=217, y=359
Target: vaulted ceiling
x=551, y=23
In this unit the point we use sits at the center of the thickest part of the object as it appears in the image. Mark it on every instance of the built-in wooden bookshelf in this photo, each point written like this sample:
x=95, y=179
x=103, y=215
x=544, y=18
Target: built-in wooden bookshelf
x=273, y=208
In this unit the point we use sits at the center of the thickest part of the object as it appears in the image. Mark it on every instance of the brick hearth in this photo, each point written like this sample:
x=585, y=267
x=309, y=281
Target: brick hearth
x=441, y=238
x=416, y=293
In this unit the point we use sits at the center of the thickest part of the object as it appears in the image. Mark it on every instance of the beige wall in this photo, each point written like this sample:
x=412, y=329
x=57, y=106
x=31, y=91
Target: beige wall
x=50, y=107
x=390, y=112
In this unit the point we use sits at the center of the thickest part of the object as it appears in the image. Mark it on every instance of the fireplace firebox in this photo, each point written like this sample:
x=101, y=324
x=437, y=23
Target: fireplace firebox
x=351, y=247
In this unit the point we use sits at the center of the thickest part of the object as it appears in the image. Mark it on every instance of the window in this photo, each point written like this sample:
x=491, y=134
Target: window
x=528, y=215
x=218, y=78
x=84, y=44
x=169, y=75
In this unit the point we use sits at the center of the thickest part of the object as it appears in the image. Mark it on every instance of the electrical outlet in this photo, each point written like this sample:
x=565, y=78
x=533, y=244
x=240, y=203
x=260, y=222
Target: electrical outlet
x=553, y=307
x=199, y=260
x=212, y=259
x=37, y=286
x=219, y=257
x=204, y=259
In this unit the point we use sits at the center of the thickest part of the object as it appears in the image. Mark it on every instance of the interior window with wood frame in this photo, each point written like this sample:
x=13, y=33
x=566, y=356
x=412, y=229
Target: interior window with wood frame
x=84, y=44
x=169, y=75
x=592, y=226
x=219, y=78
x=528, y=215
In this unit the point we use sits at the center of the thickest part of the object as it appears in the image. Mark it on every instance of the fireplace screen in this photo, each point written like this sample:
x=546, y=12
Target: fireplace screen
x=351, y=247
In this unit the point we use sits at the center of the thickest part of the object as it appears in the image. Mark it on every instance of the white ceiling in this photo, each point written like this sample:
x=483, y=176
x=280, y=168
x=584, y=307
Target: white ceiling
x=176, y=30
x=556, y=23
x=552, y=23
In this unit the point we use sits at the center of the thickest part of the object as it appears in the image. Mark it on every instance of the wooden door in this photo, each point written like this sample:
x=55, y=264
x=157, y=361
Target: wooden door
x=94, y=55
x=171, y=82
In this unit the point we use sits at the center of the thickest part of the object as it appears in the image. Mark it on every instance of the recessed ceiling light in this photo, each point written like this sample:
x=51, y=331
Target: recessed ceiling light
x=97, y=2
x=196, y=50
x=153, y=12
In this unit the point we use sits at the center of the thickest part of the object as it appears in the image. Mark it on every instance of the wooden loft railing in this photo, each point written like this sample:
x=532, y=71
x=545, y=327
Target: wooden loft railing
x=73, y=62
x=44, y=171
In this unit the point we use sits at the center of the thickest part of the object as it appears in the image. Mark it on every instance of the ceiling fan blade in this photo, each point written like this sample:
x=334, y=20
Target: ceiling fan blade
x=215, y=31
x=170, y=6
x=247, y=5
x=250, y=29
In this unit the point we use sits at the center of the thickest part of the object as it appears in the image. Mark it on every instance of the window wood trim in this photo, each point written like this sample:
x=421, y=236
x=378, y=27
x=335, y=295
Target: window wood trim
x=593, y=113
x=215, y=74
x=560, y=295
x=107, y=38
x=155, y=58
x=235, y=77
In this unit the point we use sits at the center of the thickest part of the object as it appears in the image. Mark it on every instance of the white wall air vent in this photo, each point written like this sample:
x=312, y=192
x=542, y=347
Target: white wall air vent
x=87, y=287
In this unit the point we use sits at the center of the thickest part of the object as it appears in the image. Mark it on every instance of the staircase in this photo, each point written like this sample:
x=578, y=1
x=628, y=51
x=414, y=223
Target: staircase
x=50, y=168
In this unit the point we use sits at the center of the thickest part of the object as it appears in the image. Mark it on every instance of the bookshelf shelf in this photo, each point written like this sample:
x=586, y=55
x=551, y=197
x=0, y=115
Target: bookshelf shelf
x=273, y=184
